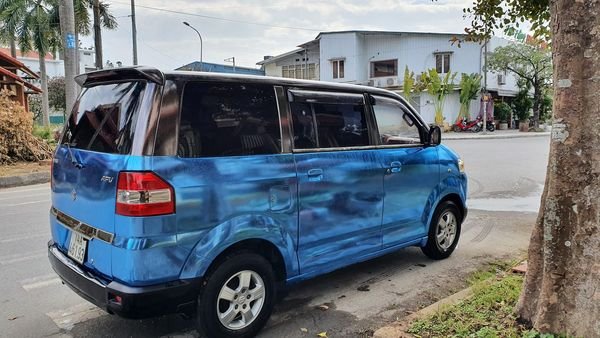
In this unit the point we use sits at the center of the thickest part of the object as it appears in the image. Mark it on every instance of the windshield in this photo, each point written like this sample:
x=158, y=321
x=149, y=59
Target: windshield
x=104, y=118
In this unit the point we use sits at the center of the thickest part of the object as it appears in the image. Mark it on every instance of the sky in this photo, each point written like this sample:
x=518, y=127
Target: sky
x=251, y=29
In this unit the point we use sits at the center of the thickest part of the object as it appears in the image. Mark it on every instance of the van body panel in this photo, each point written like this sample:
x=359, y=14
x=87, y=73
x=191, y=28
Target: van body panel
x=408, y=192
x=224, y=200
x=340, y=207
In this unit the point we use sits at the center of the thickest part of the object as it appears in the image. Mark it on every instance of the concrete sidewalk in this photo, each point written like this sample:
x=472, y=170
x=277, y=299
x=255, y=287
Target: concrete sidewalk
x=498, y=134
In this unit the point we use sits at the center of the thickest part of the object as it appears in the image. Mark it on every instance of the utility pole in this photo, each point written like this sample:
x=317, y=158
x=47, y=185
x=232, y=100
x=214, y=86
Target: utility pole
x=70, y=50
x=134, y=33
x=200, y=36
x=485, y=91
x=97, y=34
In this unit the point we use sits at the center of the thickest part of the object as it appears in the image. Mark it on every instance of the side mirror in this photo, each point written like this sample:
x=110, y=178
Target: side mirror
x=435, y=136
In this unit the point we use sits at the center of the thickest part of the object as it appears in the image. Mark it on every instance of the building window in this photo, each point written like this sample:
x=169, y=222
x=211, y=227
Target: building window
x=298, y=71
x=442, y=63
x=338, y=69
x=384, y=68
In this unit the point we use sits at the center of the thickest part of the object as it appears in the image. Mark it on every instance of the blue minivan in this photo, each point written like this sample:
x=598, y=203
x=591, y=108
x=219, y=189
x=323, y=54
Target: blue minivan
x=206, y=194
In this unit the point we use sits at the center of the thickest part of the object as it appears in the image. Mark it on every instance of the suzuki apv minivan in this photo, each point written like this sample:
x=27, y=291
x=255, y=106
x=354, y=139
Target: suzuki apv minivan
x=206, y=194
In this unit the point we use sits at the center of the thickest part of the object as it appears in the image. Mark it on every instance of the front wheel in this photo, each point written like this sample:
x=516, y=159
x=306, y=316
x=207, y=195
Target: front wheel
x=238, y=297
x=491, y=127
x=456, y=128
x=444, y=231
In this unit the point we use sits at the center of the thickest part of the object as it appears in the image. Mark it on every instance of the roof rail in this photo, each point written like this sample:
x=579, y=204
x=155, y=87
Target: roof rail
x=125, y=73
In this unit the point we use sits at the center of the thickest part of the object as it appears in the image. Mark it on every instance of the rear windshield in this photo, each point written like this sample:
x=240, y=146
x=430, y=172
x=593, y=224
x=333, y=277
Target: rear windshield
x=104, y=118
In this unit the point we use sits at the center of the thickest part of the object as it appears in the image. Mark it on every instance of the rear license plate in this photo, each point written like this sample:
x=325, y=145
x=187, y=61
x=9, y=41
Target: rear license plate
x=77, y=247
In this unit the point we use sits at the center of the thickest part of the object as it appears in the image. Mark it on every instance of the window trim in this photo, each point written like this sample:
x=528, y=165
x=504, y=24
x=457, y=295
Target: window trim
x=334, y=95
x=372, y=68
x=442, y=55
x=183, y=85
x=418, y=122
x=335, y=65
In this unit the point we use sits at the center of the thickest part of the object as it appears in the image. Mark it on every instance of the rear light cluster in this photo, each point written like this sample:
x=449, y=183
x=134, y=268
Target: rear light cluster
x=144, y=194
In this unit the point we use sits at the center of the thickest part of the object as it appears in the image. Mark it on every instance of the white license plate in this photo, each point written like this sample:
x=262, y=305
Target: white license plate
x=77, y=247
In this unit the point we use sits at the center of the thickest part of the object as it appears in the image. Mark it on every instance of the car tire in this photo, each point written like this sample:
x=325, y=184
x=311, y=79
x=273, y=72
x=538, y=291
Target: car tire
x=442, y=239
x=233, y=312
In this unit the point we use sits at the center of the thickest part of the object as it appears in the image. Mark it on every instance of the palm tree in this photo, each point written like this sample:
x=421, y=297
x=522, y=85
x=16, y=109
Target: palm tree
x=30, y=21
x=102, y=18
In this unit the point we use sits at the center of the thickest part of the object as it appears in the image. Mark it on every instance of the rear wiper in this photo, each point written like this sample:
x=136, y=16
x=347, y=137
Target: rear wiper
x=74, y=160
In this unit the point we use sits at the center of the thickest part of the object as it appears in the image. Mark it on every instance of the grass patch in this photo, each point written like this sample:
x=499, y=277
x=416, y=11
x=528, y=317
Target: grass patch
x=46, y=133
x=490, y=312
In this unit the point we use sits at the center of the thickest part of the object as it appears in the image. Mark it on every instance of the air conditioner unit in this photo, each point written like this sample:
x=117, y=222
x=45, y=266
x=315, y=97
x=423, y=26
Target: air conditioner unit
x=501, y=79
x=391, y=82
x=371, y=83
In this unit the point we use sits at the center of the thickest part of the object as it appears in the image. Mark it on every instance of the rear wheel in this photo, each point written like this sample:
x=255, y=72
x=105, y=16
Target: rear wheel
x=444, y=231
x=238, y=297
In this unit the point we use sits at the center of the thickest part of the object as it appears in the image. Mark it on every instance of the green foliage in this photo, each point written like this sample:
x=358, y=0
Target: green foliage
x=408, y=84
x=488, y=16
x=522, y=104
x=56, y=93
x=35, y=106
x=546, y=107
x=469, y=88
x=439, y=88
x=502, y=110
x=531, y=64
x=46, y=133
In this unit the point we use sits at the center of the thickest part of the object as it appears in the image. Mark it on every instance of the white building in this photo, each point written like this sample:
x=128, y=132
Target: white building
x=378, y=58
x=54, y=65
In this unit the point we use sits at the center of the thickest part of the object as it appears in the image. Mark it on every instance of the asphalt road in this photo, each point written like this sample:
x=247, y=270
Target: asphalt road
x=506, y=177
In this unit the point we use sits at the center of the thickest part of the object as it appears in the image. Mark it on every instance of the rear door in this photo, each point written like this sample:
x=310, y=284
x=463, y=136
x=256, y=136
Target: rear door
x=411, y=172
x=101, y=133
x=340, y=188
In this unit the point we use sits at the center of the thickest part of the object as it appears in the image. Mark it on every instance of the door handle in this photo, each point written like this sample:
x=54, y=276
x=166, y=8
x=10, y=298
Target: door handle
x=396, y=166
x=315, y=175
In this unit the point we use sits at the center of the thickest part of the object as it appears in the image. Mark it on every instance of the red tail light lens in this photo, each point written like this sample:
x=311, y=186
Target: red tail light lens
x=144, y=194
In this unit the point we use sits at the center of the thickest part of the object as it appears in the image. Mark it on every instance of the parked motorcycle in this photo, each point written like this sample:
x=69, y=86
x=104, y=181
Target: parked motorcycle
x=490, y=126
x=464, y=125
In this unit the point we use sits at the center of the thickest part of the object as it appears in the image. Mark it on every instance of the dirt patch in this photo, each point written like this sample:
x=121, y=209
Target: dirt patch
x=22, y=168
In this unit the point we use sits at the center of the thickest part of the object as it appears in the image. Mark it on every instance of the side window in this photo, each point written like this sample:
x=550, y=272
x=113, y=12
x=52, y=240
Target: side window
x=329, y=125
x=395, y=123
x=228, y=119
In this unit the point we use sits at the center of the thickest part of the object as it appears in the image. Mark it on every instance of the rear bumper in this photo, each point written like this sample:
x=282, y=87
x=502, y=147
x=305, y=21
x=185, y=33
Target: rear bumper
x=136, y=302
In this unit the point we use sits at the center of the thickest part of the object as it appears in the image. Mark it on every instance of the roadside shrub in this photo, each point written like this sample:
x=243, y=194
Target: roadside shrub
x=17, y=142
x=502, y=110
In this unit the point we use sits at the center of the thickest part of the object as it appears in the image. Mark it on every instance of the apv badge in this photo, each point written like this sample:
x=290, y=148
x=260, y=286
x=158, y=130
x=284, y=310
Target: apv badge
x=107, y=179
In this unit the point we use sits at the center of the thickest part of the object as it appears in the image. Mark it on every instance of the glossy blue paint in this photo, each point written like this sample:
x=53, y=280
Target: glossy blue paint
x=411, y=176
x=224, y=200
x=340, y=195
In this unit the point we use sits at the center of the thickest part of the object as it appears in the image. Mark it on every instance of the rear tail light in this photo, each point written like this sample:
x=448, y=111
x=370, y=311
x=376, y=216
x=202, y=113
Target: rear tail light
x=144, y=194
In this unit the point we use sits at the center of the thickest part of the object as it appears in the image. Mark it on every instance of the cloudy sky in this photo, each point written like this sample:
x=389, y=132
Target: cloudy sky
x=250, y=29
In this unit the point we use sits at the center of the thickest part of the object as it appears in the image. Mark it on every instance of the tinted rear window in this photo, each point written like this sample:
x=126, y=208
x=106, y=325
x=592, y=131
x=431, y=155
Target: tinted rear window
x=228, y=119
x=104, y=118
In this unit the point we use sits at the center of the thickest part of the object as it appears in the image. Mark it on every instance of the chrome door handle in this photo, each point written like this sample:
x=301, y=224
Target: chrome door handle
x=315, y=175
x=396, y=166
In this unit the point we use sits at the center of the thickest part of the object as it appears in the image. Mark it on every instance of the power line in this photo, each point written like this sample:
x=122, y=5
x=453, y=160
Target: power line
x=219, y=18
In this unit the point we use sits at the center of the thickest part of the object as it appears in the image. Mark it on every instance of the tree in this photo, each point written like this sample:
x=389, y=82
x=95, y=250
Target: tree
x=32, y=24
x=408, y=84
x=439, y=88
x=532, y=65
x=56, y=93
x=561, y=293
x=469, y=89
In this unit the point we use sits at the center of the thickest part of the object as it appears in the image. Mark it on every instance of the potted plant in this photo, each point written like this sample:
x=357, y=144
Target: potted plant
x=502, y=110
x=522, y=105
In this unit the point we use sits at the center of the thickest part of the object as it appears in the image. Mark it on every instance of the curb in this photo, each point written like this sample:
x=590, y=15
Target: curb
x=27, y=179
x=501, y=136
x=399, y=328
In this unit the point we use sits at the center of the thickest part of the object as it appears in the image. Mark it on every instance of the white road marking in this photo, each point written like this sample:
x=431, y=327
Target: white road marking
x=53, y=280
x=13, y=190
x=22, y=238
x=23, y=196
x=67, y=318
x=24, y=203
x=11, y=259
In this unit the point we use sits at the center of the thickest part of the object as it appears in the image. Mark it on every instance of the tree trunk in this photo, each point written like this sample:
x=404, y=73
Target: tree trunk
x=13, y=47
x=44, y=78
x=562, y=288
x=537, y=103
x=97, y=34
